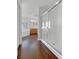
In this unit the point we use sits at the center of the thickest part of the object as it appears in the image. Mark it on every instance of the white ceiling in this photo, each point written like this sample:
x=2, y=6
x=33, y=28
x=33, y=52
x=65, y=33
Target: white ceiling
x=31, y=7
x=38, y=2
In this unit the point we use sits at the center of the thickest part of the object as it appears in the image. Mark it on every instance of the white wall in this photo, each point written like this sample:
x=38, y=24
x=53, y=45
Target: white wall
x=19, y=40
x=41, y=11
x=55, y=33
x=53, y=36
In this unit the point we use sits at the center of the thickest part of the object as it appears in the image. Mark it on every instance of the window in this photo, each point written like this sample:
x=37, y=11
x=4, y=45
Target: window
x=46, y=25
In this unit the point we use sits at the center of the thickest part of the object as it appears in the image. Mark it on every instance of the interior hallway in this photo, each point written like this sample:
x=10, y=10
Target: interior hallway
x=42, y=18
x=34, y=49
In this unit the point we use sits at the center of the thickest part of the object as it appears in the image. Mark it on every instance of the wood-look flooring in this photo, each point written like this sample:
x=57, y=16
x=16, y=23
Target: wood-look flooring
x=34, y=49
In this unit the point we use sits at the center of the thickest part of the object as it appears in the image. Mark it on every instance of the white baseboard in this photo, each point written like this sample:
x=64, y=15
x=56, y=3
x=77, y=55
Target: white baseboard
x=52, y=50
